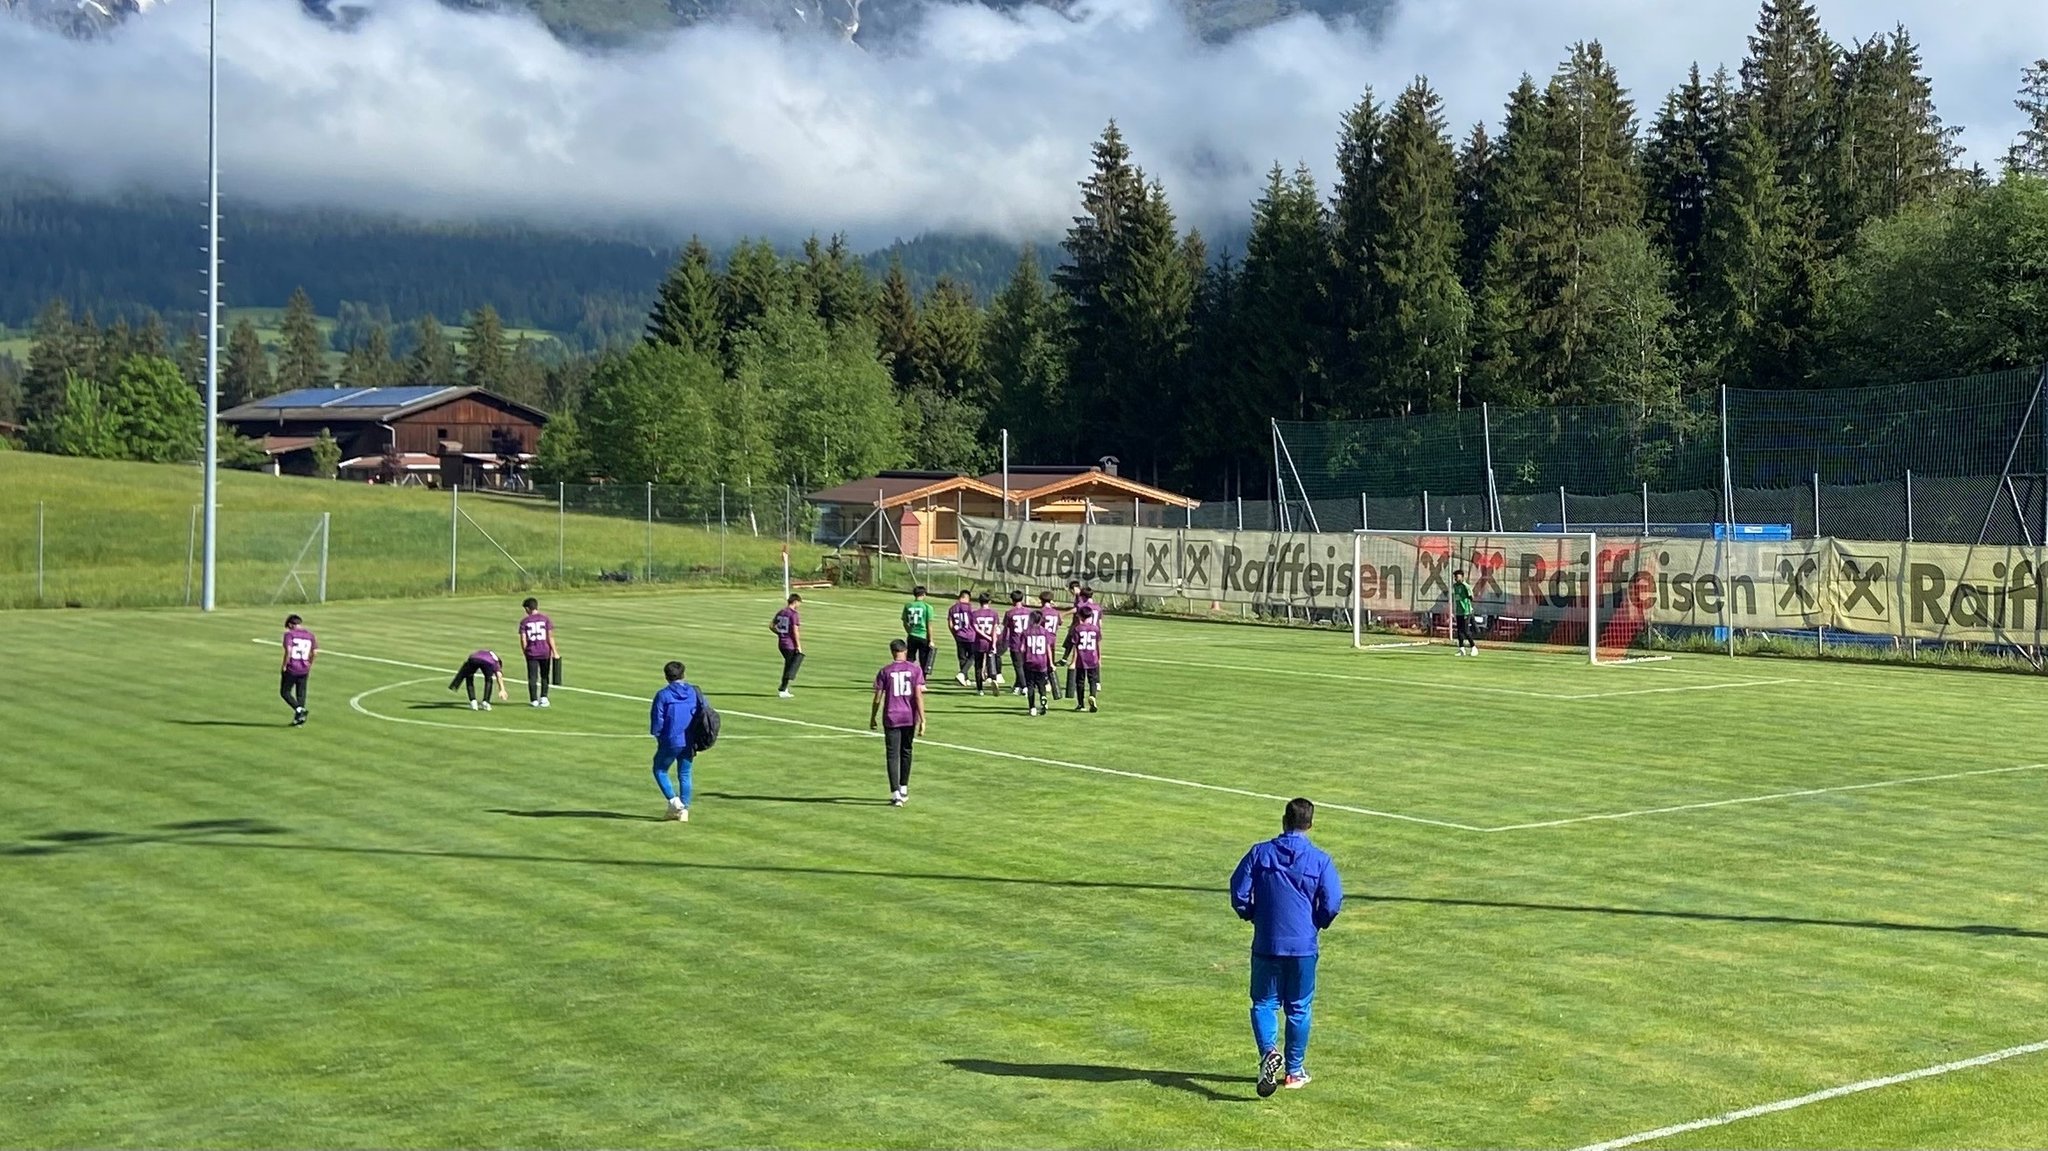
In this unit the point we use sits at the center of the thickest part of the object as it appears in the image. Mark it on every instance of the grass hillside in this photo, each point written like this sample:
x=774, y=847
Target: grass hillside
x=121, y=535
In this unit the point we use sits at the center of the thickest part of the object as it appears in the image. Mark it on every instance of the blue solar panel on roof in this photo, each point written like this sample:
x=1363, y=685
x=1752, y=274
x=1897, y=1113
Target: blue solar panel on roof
x=305, y=397
x=387, y=397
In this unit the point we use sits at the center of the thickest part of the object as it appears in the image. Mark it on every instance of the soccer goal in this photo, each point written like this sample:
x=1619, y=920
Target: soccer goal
x=1530, y=591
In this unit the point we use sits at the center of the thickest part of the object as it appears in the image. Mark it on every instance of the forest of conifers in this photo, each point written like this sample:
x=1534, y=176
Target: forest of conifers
x=1803, y=220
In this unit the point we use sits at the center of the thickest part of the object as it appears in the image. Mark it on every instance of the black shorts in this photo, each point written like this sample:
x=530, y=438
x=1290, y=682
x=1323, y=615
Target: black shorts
x=1038, y=677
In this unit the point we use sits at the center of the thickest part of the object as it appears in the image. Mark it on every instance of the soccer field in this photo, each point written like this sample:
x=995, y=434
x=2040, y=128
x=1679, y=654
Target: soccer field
x=1585, y=903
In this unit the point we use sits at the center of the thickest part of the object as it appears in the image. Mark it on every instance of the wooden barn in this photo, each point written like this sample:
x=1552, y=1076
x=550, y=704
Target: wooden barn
x=918, y=513
x=437, y=436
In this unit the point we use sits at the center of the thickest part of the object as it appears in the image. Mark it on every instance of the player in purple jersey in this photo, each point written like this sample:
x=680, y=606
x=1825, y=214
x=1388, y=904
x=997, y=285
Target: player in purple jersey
x=493, y=670
x=899, y=709
x=537, y=640
x=300, y=649
x=1049, y=616
x=1016, y=622
x=1037, y=657
x=1095, y=613
x=1084, y=646
x=988, y=630
x=960, y=619
x=788, y=627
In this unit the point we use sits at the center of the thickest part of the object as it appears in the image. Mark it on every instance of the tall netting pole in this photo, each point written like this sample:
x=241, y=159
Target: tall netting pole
x=1593, y=598
x=326, y=530
x=454, y=530
x=210, y=472
x=1357, y=591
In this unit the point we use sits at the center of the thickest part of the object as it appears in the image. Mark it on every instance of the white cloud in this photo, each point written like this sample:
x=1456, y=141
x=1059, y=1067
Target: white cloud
x=977, y=120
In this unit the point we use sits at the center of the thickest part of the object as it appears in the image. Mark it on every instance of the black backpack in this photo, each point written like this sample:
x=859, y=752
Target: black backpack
x=703, y=725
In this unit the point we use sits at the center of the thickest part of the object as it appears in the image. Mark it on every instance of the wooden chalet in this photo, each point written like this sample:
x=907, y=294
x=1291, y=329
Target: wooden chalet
x=437, y=436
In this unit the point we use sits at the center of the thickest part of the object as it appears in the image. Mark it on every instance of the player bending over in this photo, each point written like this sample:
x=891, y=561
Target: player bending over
x=300, y=648
x=1084, y=647
x=899, y=709
x=493, y=670
x=668, y=721
x=537, y=640
x=789, y=640
x=1037, y=669
x=960, y=619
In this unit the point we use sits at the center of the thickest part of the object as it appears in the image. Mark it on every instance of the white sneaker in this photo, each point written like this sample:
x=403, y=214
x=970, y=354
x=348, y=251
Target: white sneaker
x=486, y=704
x=476, y=705
x=543, y=701
x=533, y=703
x=674, y=810
x=961, y=679
x=784, y=695
x=999, y=679
x=683, y=814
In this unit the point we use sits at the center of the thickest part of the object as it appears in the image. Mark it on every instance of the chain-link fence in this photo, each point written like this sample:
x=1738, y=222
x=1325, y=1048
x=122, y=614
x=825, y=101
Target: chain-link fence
x=361, y=541
x=1962, y=461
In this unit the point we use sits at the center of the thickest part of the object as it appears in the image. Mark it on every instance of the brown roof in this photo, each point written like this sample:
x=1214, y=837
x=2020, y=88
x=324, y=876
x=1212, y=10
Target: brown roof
x=891, y=489
x=1040, y=483
x=284, y=445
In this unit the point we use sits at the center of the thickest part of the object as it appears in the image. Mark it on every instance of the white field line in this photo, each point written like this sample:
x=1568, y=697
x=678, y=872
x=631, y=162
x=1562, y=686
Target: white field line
x=1818, y=1097
x=355, y=703
x=1449, y=685
x=961, y=747
x=1767, y=798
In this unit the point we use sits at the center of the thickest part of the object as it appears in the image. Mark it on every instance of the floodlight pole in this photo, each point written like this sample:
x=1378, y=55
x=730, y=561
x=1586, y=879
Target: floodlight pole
x=209, y=466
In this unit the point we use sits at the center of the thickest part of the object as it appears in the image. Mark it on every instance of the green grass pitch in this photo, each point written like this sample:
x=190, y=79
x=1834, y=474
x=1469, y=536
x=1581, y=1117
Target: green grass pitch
x=408, y=924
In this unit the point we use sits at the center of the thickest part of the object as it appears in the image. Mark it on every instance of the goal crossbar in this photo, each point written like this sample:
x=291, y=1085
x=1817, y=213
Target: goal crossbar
x=1485, y=552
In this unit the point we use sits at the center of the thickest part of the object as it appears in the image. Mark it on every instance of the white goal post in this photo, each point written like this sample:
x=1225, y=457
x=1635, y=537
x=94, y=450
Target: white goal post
x=1525, y=584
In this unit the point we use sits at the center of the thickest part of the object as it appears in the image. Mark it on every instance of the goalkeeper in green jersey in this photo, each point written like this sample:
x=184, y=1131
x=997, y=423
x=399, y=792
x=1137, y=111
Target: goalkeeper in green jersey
x=917, y=630
x=1461, y=615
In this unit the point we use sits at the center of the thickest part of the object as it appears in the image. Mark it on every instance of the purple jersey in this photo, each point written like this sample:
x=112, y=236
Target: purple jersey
x=299, y=649
x=898, y=684
x=537, y=636
x=987, y=626
x=1051, y=616
x=961, y=619
x=1016, y=622
x=1037, y=650
x=785, y=625
x=489, y=660
x=1086, y=640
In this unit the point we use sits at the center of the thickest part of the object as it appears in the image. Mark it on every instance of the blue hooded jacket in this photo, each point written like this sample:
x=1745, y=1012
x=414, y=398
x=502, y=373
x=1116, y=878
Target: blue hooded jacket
x=1287, y=887
x=669, y=719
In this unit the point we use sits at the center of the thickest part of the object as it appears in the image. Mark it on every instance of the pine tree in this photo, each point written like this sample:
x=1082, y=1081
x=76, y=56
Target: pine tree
x=562, y=456
x=686, y=308
x=1746, y=278
x=1631, y=358
x=837, y=284
x=302, y=354
x=2029, y=154
x=1150, y=297
x=1788, y=82
x=486, y=357
x=432, y=362
x=1284, y=316
x=1355, y=227
x=755, y=282
x=1478, y=171
x=60, y=351
x=1224, y=420
x=1890, y=148
x=245, y=371
x=1098, y=257
x=1686, y=148
x=1026, y=361
x=1422, y=337
x=949, y=344
x=368, y=364
x=1503, y=323
x=897, y=325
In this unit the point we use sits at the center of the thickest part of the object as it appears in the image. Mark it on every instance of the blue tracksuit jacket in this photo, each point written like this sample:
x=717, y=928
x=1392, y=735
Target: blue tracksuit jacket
x=1287, y=887
x=669, y=719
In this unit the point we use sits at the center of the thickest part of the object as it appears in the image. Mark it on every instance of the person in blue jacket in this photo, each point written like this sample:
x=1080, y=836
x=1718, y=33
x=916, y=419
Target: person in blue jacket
x=1288, y=888
x=669, y=723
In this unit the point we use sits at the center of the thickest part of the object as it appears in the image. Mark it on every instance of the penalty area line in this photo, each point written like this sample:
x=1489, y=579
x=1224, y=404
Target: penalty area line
x=1726, y=1118
x=960, y=747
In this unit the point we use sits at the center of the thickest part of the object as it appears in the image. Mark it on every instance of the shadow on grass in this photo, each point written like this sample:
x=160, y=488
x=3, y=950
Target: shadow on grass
x=229, y=723
x=1194, y=1082
x=186, y=831
x=576, y=815
x=442, y=705
x=848, y=800
x=200, y=833
x=800, y=690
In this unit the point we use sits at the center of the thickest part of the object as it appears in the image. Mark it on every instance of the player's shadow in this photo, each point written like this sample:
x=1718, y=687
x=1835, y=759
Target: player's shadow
x=1992, y=929
x=441, y=705
x=619, y=815
x=228, y=723
x=847, y=800
x=800, y=691
x=184, y=831
x=1193, y=1082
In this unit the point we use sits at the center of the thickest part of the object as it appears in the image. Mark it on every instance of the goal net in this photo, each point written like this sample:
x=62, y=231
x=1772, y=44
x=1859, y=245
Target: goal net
x=1532, y=591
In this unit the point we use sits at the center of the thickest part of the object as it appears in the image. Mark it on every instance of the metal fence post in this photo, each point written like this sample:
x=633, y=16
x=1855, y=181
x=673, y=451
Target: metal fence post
x=39, y=551
x=1646, y=507
x=1816, y=505
x=1564, y=512
x=1909, y=505
x=1240, y=513
x=1425, y=509
x=1727, y=473
x=721, y=529
x=454, y=520
x=191, y=537
x=647, y=538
